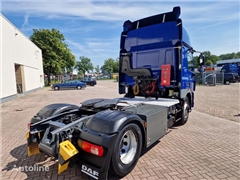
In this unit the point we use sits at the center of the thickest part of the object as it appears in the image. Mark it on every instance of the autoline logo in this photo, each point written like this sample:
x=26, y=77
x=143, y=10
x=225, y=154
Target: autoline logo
x=33, y=168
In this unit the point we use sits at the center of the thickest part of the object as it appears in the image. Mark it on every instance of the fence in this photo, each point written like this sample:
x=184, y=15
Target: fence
x=210, y=78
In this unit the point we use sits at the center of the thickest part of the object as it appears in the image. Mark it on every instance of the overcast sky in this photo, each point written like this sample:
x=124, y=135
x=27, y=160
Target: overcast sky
x=92, y=28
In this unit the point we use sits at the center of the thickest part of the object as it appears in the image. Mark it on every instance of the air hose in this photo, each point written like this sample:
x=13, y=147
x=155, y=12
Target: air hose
x=152, y=86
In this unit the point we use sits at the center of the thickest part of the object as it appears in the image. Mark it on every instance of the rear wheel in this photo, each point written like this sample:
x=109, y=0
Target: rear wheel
x=79, y=87
x=126, y=150
x=91, y=84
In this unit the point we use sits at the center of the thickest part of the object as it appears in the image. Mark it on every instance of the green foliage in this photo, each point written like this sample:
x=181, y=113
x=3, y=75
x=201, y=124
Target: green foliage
x=84, y=65
x=229, y=56
x=110, y=66
x=55, y=52
x=207, y=54
x=212, y=59
x=97, y=69
x=209, y=62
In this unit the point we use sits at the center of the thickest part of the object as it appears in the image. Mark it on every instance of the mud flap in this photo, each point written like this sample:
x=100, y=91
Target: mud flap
x=66, y=151
x=32, y=143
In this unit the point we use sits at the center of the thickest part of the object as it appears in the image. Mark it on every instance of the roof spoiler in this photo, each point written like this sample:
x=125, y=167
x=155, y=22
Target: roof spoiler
x=156, y=19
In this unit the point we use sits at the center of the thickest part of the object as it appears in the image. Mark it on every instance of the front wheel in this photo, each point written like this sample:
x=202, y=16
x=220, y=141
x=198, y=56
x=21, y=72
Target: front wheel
x=127, y=150
x=227, y=82
x=184, y=113
x=79, y=87
x=56, y=88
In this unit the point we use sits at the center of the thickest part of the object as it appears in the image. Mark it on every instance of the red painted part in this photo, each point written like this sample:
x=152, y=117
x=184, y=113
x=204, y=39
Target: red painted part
x=166, y=75
x=153, y=85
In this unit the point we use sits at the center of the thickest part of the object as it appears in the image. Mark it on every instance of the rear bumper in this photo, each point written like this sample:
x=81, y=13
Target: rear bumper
x=92, y=165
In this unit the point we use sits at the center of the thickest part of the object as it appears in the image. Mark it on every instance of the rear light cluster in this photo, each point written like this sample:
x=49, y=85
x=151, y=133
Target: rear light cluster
x=28, y=125
x=91, y=148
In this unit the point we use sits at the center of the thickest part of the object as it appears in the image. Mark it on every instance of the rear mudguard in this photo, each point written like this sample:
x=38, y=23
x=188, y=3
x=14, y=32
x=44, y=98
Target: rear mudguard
x=51, y=110
x=102, y=129
x=110, y=121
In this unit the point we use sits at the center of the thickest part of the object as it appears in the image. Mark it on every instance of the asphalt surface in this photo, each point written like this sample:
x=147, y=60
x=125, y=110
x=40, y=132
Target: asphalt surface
x=207, y=147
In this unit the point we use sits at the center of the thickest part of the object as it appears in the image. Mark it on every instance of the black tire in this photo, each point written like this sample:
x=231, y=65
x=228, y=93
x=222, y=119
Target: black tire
x=91, y=84
x=56, y=88
x=184, y=113
x=127, y=150
x=79, y=87
x=227, y=82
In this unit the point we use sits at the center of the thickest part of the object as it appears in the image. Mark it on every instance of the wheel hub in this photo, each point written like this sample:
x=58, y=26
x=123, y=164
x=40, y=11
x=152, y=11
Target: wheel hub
x=185, y=111
x=128, y=147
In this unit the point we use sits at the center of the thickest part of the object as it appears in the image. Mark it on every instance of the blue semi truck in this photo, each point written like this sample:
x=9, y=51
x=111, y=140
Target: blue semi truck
x=156, y=77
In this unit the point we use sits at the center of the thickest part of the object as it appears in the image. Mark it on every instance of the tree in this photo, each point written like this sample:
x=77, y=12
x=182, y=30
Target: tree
x=97, y=69
x=230, y=56
x=195, y=61
x=237, y=55
x=84, y=65
x=110, y=66
x=209, y=62
x=55, y=52
x=214, y=59
x=207, y=55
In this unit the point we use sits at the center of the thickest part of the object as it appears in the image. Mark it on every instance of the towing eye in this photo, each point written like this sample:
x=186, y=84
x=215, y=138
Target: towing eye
x=136, y=89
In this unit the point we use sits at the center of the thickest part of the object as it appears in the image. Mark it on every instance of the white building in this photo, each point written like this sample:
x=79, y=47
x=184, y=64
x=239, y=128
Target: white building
x=21, y=68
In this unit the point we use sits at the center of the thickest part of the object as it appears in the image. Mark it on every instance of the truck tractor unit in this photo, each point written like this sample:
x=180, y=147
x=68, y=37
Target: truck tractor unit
x=156, y=78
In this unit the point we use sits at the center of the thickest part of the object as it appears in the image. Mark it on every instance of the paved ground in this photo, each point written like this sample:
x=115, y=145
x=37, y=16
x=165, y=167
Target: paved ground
x=206, y=147
x=221, y=101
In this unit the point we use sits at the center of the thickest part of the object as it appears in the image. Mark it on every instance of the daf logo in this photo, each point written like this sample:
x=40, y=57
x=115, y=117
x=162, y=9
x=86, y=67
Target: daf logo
x=90, y=172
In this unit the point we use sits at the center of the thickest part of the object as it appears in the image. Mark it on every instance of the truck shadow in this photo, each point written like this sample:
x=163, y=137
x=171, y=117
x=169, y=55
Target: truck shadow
x=44, y=167
x=40, y=167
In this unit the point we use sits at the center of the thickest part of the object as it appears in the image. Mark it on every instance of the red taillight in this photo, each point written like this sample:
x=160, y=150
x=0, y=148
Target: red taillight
x=28, y=125
x=91, y=148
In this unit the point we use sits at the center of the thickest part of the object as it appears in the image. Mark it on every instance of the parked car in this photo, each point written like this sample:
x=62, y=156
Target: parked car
x=227, y=70
x=230, y=78
x=72, y=84
x=89, y=81
x=103, y=77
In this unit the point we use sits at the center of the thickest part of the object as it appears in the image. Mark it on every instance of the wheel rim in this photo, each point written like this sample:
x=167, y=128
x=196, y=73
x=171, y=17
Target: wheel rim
x=56, y=88
x=128, y=147
x=79, y=87
x=185, y=111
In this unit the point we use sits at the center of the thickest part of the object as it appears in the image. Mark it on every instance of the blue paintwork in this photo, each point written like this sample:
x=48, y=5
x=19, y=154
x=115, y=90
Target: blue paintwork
x=156, y=44
x=151, y=47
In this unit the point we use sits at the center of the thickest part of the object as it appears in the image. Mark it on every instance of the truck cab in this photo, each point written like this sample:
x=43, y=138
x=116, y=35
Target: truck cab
x=156, y=58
